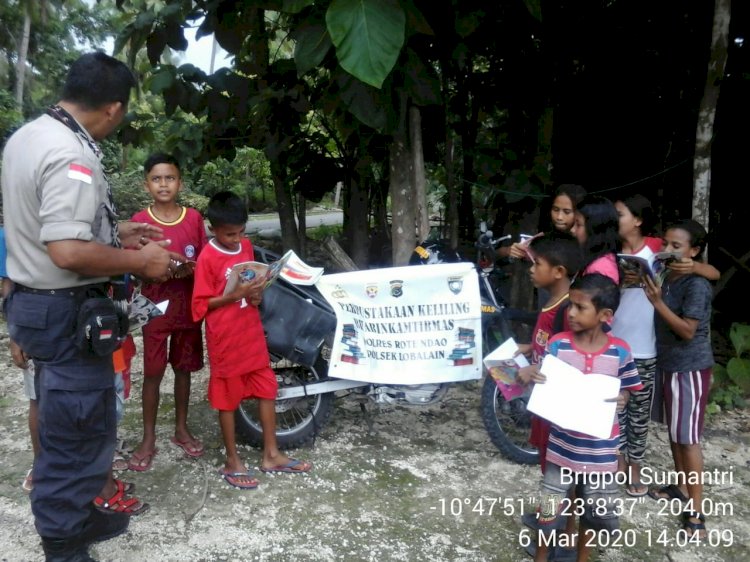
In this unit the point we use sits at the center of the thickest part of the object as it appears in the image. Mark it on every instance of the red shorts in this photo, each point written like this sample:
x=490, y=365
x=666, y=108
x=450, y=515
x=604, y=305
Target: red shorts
x=227, y=393
x=185, y=350
x=539, y=438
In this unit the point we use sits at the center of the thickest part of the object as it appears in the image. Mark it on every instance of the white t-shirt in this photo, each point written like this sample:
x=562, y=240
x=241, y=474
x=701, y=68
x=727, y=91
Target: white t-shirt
x=634, y=319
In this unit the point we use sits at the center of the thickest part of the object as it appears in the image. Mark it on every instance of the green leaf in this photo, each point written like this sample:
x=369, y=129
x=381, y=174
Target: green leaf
x=415, y=20
x=368, y=35
x=363, y=101
x=144, y=20
x=720, y=376
x=295, y=6
x=739, y=372
x=467, y=24
x=420, y=81
x=191, y=73
x=176, y=37
x=122, y=38
x=155, y=45
x=535, y=8
x=312, y=45
x=161, y=80
x=740, y=336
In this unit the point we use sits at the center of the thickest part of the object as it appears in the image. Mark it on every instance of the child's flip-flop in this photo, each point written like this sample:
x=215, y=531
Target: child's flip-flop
x=291, y=466
x=669, y=492
x=28, y=481
x=193, y=449
x=241, y=480
x=141, y=462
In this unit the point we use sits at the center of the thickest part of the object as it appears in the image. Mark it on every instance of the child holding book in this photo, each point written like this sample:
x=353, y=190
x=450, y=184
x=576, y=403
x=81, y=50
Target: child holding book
x=557, y=257
x=237, y=352
x=566, y=199
x=174, y=337
x=577, y=458
x=634, y=322
x=684, y=359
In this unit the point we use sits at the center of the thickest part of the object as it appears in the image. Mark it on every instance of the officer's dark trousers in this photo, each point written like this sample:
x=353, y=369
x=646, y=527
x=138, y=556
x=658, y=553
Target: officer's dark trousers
x=77, y=427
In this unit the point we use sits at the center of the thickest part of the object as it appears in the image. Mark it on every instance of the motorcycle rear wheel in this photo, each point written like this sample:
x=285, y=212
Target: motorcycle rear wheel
x=297, y=419
x=508, y=424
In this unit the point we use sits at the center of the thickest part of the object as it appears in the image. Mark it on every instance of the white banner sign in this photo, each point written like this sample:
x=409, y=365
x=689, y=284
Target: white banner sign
x=406, y=325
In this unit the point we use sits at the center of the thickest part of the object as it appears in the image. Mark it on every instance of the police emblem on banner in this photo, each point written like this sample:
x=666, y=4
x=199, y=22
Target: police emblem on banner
x=339, y=293
x=455, y=284
x=371, y=290
x=397, y=288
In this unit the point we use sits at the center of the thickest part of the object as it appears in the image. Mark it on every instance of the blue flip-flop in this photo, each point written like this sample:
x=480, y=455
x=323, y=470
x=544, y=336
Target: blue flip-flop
x=289, y=467
x=233, y=479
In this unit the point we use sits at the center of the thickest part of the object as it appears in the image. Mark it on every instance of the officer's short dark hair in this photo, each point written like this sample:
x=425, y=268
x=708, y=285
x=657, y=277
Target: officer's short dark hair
x=604, y=292
x=226, y=208
x=96, y=79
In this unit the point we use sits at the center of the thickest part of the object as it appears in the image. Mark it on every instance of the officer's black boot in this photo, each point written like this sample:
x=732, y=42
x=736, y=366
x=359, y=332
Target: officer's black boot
x=65, y=550
x=102, y=525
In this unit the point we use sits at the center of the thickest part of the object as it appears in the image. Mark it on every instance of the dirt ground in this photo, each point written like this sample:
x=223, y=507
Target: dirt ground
x=425, y=485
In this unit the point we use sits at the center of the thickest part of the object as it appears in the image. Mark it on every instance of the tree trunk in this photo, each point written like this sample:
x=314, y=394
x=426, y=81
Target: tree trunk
x=403, y=227
x=302, y=224
x=707, y=112
x=285, y=206
x=451, y=214
x=419, y=181
x=338, y=255
x=23, y=53
x=359, y=231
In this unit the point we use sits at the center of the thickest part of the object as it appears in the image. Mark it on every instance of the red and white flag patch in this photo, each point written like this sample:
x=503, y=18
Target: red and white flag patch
x=81, y=173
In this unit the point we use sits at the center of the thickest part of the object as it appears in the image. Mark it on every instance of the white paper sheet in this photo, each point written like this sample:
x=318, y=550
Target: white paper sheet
x=507, y=350
x=575, y=401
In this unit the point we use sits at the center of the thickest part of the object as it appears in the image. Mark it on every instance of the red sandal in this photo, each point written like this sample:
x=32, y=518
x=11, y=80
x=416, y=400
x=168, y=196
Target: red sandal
x=120, y=503
x=127, y=487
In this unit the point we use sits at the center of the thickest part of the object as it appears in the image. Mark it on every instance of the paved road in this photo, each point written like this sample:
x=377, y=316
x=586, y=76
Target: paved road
x=270, y=222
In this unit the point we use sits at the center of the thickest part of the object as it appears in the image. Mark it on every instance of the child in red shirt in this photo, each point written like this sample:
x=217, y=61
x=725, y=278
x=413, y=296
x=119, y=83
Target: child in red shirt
x=557, y=257
x=174, y=337
x=237, y=352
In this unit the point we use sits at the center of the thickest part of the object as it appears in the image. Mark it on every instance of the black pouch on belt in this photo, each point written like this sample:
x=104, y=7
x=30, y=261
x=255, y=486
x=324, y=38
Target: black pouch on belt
x=99, y=328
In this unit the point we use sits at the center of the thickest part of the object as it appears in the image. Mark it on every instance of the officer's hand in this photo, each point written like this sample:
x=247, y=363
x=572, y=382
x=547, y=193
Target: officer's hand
x=138, y=234
x=158, y=263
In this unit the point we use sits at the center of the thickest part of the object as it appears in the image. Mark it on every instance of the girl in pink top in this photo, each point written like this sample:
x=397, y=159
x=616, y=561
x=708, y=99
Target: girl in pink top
x=596, y=227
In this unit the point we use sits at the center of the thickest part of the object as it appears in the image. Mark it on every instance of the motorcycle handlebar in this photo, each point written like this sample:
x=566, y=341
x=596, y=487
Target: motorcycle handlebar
x=486, y=240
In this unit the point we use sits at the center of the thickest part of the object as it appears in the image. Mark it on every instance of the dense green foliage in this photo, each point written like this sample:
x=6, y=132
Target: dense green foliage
x=731, y=384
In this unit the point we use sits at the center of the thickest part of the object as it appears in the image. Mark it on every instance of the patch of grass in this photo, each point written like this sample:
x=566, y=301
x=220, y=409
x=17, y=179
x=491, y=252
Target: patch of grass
x=324, y=231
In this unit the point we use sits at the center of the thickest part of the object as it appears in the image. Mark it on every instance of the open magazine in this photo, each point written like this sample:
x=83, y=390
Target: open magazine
x=289, y=266
x=143, y=310
x=503, y=365
x=655, y=266
x=297, y=272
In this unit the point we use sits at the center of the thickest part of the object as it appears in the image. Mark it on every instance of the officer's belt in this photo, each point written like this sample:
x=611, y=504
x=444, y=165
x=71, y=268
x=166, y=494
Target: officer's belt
x=79, y=291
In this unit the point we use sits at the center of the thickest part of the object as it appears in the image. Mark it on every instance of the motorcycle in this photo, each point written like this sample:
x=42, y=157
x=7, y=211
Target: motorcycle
x=300, y=326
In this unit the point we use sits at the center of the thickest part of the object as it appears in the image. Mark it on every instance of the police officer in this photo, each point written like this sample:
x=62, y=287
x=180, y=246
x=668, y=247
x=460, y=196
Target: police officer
x=64, y=243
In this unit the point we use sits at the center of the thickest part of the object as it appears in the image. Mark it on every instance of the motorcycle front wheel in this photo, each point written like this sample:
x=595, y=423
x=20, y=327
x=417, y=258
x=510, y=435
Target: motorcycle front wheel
x=298, y=420
x=508, y=424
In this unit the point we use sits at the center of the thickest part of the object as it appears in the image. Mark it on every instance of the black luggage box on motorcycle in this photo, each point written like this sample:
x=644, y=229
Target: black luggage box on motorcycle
x=297, y=321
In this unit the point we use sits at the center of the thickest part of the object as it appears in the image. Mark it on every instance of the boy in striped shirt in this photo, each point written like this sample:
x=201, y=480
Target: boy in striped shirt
x=577, y=459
